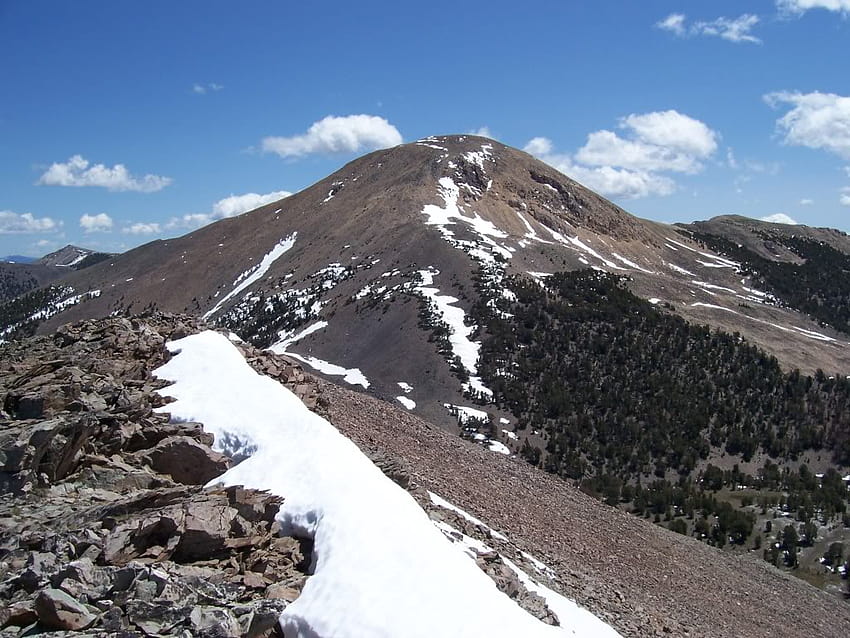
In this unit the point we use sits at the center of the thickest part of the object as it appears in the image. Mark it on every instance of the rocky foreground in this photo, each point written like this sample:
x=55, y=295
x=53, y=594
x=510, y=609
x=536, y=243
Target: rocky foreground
x=104, y=525
x=105, y=528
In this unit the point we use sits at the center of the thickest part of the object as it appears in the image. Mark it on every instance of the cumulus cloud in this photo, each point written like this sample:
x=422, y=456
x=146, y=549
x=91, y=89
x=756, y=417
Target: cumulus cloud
x=659, y=141
x=732, y=29
x=798, y=7
x=483, y=131
x=633, y=165
x=348, y=134
x=674, y=23
x=844, y=200
x=607, y=180
x=78, y=171
x=816, y=120
x=96, y=223
x=11, y=223
x=780, y=218
x=203, y=89
x=226, y=207
x=142, y=229
x=238, y=204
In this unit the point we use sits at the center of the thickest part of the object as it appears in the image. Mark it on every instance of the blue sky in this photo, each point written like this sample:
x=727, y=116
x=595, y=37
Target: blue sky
x=123, y=122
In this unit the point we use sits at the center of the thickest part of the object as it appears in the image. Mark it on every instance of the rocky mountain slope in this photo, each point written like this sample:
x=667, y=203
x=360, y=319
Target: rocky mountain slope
x=677, y=372
x=104, y=528
x=390, y=254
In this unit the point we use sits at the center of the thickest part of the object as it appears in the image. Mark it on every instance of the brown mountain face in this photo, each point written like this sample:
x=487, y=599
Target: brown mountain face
x=368, y=273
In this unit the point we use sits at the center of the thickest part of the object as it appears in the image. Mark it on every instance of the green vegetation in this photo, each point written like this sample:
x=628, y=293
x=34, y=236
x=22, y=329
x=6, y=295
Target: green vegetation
x=819, y=287
x=632, y=403
x=19, y=317
x=620, y=387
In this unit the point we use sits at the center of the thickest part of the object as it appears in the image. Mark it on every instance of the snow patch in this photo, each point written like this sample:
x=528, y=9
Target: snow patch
x=441, y=502
x=287, y=338
x=408, y=403
x=352, y=376
x=462, y=346
x=363, y=525
x=252, y=275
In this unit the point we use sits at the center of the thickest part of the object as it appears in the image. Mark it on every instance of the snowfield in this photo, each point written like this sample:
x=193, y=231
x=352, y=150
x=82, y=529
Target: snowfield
x=380, y=567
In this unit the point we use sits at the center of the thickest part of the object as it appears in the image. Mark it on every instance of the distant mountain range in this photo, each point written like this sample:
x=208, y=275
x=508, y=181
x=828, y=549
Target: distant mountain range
x=19, y=275
x=17, y=259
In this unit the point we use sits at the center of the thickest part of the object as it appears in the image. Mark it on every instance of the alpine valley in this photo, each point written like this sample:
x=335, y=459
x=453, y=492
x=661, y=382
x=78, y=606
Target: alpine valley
x=650, y=420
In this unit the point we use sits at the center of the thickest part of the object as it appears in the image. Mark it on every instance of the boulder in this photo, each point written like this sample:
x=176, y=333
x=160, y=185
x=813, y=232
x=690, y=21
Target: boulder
x=214, y=622
x=57, y=610
x=186, y=460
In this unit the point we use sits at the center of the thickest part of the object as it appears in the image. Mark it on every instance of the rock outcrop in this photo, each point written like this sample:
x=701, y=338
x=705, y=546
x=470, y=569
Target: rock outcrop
x=105, y=527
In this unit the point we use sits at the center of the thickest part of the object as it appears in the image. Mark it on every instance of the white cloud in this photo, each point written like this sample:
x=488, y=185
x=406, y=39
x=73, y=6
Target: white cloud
x=538, y=146
x=238, y=204
x=77, y=171
x=606, y=180
x=801, y=6
x=348, y=134
x=732, y=29
x=483, y=131
x=96, y=223
x=190, y=220
x=779, y=218
x=11, y=223
x=816, y=120
x=844, y=200
x=202, y=89
x=142, y=229
x=633, y=165
x=227, y=207
x=659, y=141
x=674, y=23
x=806, y=202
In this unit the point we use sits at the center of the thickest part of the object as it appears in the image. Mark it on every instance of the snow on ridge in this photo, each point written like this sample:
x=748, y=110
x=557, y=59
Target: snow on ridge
x=437, y=216
x=380, y=567
x=631, y=264
x=254, y=274
x=462, y=346
x=582, y=621
x=450, y=214
x=530, y=232
x=465, y=413
x=679, y=269
x=576, y=243
x=812, y=334
x=410, y=404
x=441, y=502
x=352, y=376
x=478, y=157
x=704, y=284
x=287, y=338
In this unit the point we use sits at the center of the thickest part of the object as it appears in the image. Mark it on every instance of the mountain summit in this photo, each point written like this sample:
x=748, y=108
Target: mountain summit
x=371, y=274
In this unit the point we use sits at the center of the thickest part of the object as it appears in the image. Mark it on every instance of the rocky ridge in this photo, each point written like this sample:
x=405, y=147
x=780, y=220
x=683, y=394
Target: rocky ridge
x=104, y=524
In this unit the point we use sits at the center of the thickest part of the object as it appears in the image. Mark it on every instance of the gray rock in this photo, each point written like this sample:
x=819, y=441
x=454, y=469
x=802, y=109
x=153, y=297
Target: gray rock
x=157, y=618
x=57, y=610
x=186, y=460
x=214, y=622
